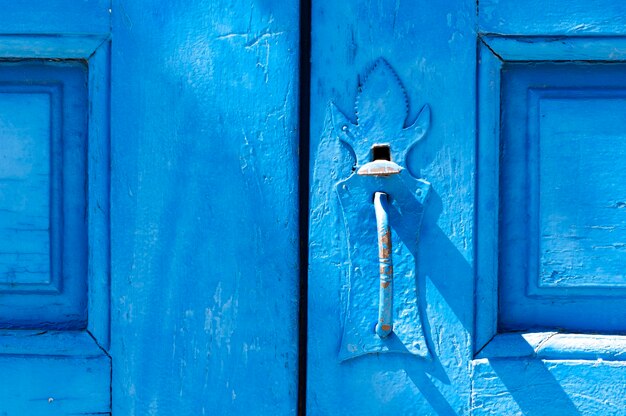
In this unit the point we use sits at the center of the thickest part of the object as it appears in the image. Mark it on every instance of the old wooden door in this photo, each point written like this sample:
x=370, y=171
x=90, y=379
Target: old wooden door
x=467, y=227
x=465, y=221
x=148, y=207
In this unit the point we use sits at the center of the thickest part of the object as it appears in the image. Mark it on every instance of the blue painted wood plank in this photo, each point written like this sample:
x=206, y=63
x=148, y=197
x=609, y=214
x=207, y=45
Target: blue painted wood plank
x=572, y=150
x=23, y=342
x=52, y=386
x=55, y=17
x=561, y=48
x=552, y=17
x=204, y=207
x=487, y=196
x=555, y=346
x=538, y=387
x=515, y=345
x=98, y=195
x=60, y=46
x=588, y=347
x=431, y=46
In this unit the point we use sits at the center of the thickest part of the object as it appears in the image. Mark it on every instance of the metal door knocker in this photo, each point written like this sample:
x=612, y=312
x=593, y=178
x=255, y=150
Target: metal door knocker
x=382, y=192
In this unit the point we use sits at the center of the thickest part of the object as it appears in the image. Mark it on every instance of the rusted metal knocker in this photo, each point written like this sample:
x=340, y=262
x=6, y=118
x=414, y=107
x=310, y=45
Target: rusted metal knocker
x=380, y=141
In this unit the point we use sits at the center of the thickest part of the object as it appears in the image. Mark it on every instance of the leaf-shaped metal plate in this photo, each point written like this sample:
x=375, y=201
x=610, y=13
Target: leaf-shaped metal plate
x=381, y=113
x=381, y=103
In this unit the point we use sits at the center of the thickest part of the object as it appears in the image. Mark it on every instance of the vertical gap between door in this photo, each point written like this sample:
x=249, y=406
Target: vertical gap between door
x=303, y=186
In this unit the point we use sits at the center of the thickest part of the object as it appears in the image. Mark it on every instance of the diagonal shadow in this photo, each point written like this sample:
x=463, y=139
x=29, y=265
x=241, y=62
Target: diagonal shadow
x=440, y=262
x=535, y=390
x=531, y=384
x=435, y=256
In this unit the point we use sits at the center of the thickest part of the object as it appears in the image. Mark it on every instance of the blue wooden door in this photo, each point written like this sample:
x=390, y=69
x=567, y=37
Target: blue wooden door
x=466, y=212
x=148, y=207
x=465, y=220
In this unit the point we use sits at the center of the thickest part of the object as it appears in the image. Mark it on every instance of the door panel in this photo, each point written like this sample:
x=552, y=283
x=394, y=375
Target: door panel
x=54, y=233
x=429, y=48
x=518, y=266
x=561, y=224
x=43, y=252
x=204, y=207
x=203, y=267
x=549, y=324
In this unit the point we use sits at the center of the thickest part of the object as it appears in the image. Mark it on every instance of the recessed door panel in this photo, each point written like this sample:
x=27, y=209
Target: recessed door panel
x=43, y=228
x=562, y=222
x=550, y=228
x=54, y=223
x=25, y=198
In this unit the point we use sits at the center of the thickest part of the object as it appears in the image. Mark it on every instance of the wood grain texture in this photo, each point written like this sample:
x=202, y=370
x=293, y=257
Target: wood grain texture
x=537, y=387
x=56, y=372
x=53, y=386
x=561, y=48
x=25, y=127
x=590, y=75
x=552, y=17
x=204, y=207
x=43, y=256
x=59, y=17
x=431, y=46
x=555, y=346
x=572, y=124
x=561, y=222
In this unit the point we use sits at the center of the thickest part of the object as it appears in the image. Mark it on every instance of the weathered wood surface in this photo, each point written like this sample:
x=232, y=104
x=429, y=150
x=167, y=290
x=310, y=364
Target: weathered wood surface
x=54, y=212
x=552, y=17
x=58, y=17
x=204, y=197
x=51, y=386
x=567, y=275
x=431, y=47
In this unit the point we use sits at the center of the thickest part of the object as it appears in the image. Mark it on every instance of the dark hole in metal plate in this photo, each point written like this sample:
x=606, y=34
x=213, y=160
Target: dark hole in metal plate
x=381, y=152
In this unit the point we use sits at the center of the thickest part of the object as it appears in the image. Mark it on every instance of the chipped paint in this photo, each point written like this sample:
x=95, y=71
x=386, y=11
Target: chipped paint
x=437, y=281
x=396, y=325
x=205, y=107
x=384, y=325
